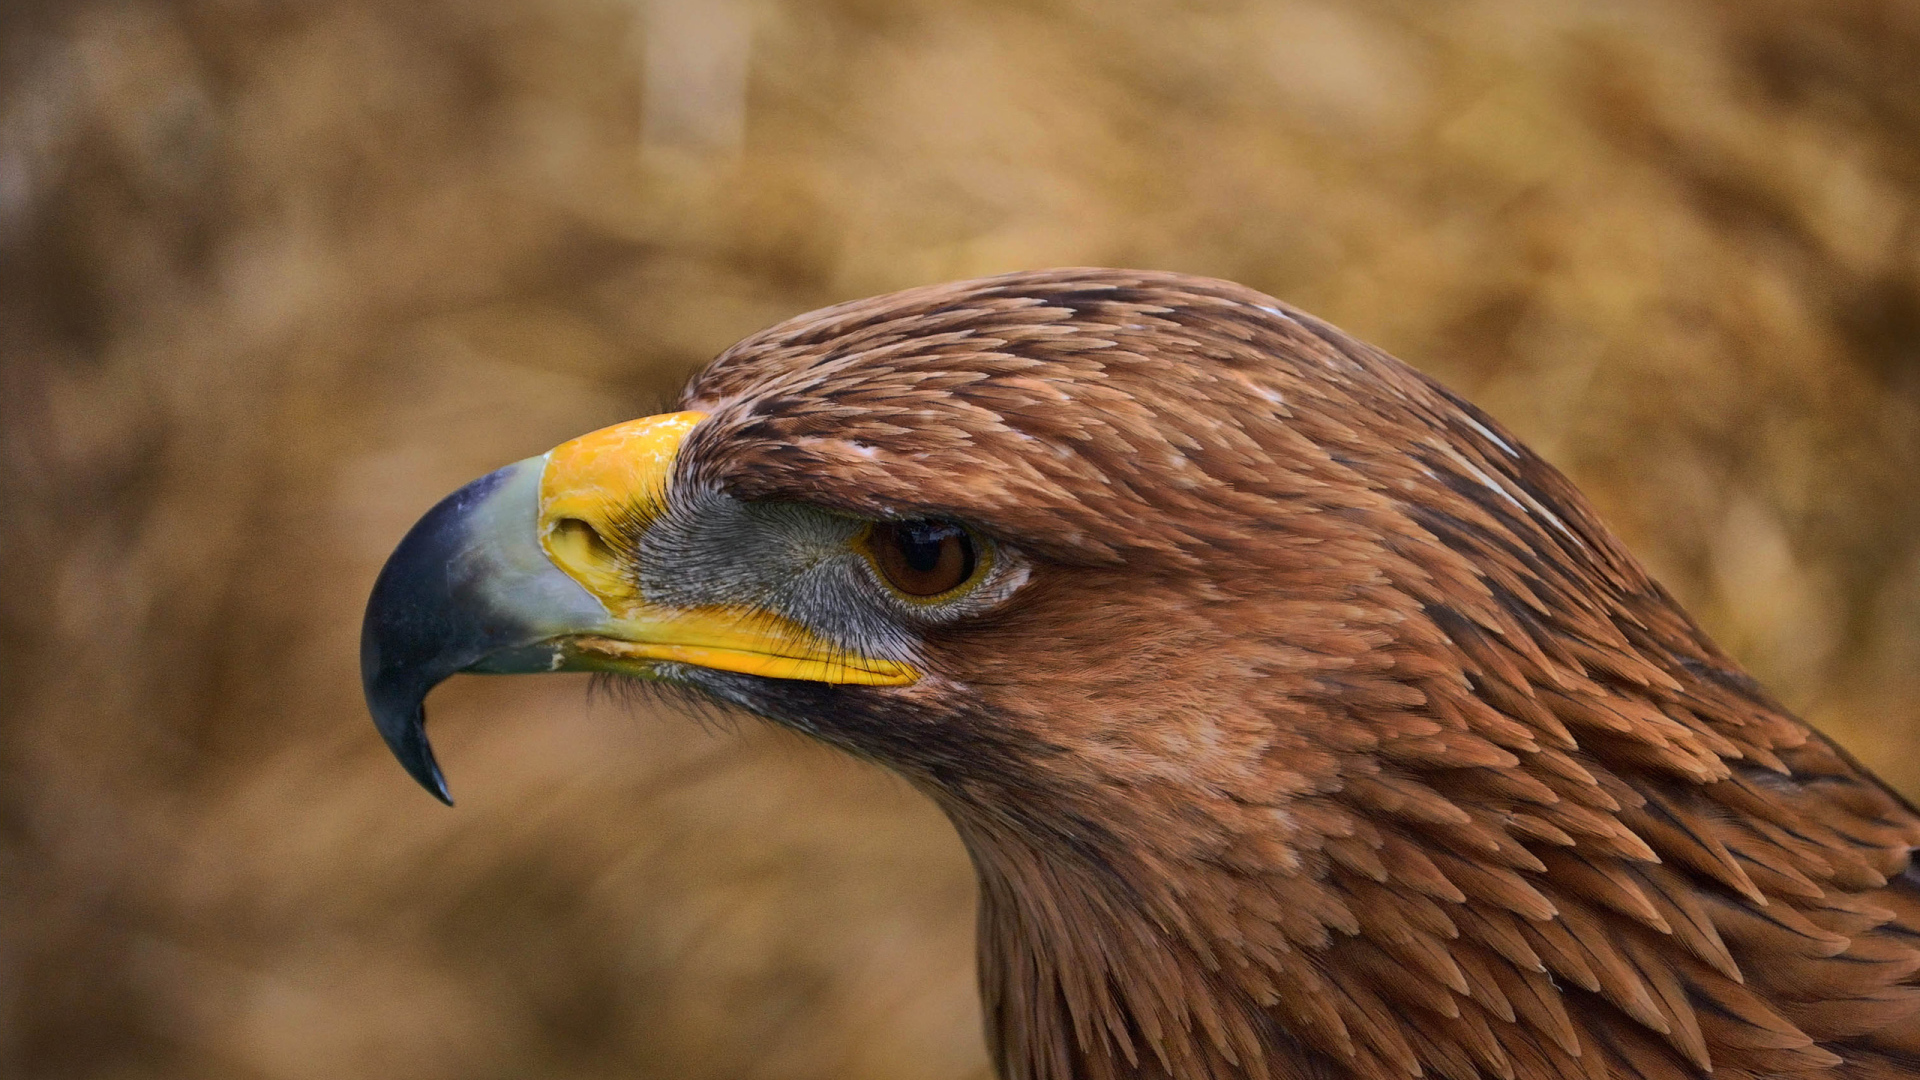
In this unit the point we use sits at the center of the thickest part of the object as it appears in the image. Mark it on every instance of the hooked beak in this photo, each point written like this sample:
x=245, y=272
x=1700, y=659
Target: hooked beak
x=536, y=567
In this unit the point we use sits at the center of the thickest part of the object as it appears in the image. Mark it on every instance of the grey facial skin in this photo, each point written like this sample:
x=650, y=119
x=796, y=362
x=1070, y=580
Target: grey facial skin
x=800, y=562
x=789, y=559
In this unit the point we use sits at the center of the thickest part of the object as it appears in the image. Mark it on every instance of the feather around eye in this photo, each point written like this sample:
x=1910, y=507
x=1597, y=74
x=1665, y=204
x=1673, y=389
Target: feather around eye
x=922, y=559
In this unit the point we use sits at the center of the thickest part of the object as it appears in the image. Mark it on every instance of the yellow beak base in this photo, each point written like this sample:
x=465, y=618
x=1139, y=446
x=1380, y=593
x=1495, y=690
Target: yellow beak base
x=639, y=658
x=594, y=492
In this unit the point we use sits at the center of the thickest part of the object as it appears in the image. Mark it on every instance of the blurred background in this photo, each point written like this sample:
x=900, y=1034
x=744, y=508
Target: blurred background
x=275, y=276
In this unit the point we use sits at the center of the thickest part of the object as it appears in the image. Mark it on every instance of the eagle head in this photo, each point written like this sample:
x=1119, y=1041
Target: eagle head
x=1297, y=718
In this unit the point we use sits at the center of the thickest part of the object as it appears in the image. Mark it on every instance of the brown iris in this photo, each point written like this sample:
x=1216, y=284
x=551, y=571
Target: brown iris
x=923, y=557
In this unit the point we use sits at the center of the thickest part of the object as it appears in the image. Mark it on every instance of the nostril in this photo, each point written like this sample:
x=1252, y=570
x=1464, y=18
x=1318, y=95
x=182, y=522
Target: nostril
x=581, y=538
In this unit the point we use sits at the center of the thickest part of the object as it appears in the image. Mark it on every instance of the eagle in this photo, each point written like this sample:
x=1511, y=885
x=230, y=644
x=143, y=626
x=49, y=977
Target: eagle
x=1298, y=720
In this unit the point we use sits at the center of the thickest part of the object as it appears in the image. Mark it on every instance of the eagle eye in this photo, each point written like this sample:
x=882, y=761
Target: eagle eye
x=923, y=558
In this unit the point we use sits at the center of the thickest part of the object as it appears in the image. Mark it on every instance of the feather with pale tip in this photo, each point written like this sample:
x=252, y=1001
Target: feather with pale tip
x=1326, y=732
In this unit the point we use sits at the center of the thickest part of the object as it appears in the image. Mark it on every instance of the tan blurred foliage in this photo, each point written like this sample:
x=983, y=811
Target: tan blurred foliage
x=274, y=276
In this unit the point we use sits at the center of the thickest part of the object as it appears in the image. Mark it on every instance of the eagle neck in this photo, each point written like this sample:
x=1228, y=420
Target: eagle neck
x=1084, y=976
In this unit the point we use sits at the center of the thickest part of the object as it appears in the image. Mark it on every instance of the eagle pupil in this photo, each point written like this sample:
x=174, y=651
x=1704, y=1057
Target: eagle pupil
x=921, y=542
x=923, y=557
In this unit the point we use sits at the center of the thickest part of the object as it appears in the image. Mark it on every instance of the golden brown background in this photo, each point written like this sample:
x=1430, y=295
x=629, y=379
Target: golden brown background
x=274, y=276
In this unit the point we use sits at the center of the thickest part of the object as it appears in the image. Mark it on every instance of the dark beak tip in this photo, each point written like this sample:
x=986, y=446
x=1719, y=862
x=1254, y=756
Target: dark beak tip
x=437, y=606
x=417, y=631
x=403, y=725
x=430, y=778
x=421, y=765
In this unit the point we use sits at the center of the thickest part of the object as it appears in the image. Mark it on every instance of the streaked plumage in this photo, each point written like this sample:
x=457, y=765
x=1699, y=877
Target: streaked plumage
x=1305, y=723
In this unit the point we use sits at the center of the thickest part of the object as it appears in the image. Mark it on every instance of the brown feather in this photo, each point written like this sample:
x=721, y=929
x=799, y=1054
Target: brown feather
x=1332, y=735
